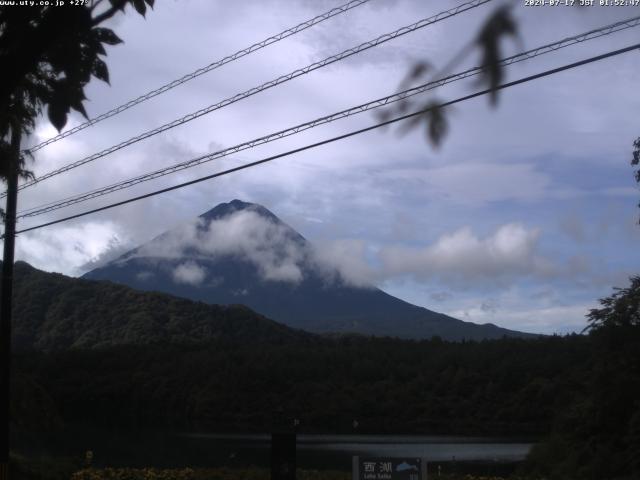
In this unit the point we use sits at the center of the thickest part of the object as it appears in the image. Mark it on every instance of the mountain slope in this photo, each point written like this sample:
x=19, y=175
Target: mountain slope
x=55, y=312
x=241, y=253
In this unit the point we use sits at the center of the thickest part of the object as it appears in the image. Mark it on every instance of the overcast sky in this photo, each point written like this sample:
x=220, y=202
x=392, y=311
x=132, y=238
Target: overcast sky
x=524, y=217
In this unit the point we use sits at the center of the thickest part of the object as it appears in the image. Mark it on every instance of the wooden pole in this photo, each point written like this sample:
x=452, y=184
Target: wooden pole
x=5, y=299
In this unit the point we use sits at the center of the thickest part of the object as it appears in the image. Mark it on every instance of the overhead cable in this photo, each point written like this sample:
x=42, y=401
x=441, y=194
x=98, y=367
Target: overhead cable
x=270, y=84
x=201, y=71
x=340, y=137
x=380, y=102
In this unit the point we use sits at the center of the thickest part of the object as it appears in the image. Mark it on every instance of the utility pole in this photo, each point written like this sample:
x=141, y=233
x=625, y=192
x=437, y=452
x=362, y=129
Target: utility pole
x=13, y=163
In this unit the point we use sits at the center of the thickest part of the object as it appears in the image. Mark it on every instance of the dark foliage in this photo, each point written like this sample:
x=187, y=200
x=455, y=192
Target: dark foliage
x=499, y=26
x=100, y=353
x=144, y=358
x=55, y=312
x=622, y=309
x=95, y=354
x=597, y=436
x=499, y=387
x=47, y=56
x=635, y=160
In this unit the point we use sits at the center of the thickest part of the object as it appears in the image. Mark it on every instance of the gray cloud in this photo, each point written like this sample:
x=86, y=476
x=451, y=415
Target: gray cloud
x=440, y=296
x=490, y=306
x=573, y=227
x=474, y=182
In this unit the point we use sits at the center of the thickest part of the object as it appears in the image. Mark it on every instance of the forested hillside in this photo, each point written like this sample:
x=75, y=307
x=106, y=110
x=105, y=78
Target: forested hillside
x=100, y=355
x=495, y=387
x=56, y=312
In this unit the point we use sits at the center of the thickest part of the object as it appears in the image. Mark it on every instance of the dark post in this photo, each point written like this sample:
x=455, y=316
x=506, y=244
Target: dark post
x=283, y=447
x=283, y=456
x=5, y=299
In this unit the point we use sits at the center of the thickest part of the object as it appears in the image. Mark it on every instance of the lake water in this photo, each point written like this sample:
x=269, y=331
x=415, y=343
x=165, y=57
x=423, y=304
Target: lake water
x=173, y=450
x=314, y=451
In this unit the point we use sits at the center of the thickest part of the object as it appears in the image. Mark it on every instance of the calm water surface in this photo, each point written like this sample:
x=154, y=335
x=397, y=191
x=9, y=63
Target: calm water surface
x=316, y=448
x=174, y=450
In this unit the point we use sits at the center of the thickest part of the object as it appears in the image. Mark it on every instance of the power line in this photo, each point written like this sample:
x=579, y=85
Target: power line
x=552, y=47
x=341, y=137
x=272, y=83
x=201, y=71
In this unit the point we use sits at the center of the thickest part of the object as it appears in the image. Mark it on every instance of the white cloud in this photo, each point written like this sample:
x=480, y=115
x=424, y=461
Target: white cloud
x=464, y=258
x=190, y=273
x=69, y=249
x=274, y=248
x=344, y=260
x=271, y=247
x=529, y=318
x=460, y=259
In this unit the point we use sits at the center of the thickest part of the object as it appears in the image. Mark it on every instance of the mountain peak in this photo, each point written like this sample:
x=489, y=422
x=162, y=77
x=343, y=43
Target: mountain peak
x=240, y=252
x=225, y=209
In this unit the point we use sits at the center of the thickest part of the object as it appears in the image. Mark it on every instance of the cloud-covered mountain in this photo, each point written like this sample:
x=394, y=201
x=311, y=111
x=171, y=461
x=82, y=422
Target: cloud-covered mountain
x=242, y=253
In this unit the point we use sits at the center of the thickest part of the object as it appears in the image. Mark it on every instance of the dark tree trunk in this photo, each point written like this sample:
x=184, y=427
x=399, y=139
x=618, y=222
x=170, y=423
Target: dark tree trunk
x=5, y=299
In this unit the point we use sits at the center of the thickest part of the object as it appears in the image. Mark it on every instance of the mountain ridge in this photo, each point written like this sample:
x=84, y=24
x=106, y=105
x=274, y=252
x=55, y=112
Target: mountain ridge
x=54, y=312
x=240, y=252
